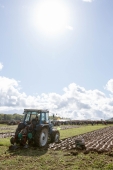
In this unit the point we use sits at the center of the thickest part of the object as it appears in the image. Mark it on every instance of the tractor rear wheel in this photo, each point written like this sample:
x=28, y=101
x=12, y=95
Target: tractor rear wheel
x=55, y=136
x=41, y=138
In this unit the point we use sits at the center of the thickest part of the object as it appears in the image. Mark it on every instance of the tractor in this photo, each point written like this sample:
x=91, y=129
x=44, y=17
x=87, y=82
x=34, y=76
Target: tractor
x=35, y=129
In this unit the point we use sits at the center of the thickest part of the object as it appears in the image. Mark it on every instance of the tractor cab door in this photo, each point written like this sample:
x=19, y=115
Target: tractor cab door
x=44, y=118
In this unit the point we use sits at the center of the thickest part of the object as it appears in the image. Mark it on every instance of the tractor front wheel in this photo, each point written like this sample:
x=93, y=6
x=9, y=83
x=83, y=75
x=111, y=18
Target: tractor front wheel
x=55, y=136
x=41, y=138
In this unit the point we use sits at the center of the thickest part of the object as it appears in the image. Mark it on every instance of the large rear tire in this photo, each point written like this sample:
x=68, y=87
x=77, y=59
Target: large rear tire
x=41, y=138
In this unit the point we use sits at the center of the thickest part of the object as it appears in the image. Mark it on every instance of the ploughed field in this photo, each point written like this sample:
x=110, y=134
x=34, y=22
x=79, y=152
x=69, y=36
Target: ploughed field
x=100, y=140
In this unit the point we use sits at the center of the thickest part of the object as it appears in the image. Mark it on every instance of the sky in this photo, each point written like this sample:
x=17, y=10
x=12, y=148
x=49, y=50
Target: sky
x=57, y=55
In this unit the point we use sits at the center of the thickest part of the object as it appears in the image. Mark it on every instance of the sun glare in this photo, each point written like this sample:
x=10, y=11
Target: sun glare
x=51, y=16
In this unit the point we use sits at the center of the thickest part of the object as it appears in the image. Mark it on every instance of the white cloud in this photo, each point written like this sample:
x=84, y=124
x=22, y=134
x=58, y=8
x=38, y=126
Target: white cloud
x=76, y=102
x=1, y=66
x=109, y=85
x=69, y=27
x=88, y=0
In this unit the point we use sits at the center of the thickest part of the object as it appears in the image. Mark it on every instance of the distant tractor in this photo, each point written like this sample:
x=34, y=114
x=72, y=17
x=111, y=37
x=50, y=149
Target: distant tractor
x=35, y=129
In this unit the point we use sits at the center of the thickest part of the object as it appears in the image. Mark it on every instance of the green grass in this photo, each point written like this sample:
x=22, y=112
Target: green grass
x=7, y=128
x=4, y=141
x=53, y=160
x=7, y=131
x=35, y=158
x=3, y=125
x=80, y=130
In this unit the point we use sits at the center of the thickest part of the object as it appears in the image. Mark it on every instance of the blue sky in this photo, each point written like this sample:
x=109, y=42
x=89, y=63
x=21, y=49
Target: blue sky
x=57, y=55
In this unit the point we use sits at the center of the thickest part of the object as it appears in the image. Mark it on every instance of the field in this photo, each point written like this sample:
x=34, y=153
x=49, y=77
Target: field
x=97, y=156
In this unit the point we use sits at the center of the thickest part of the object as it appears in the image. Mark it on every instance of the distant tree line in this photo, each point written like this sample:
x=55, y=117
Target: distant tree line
x=8, y=117
x=15, y=116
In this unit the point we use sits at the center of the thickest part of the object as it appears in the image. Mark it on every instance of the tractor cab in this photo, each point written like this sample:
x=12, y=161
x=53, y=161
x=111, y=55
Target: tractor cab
x=42, y=116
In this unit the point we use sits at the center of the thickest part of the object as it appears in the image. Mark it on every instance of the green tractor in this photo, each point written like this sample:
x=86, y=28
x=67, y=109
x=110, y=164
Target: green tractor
x=35, y=129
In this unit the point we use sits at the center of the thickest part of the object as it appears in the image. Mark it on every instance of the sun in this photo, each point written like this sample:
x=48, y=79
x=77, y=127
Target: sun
x=51, y=16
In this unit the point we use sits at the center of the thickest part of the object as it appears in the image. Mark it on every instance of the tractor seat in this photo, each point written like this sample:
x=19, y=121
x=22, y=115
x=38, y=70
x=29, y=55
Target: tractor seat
x=34, y=122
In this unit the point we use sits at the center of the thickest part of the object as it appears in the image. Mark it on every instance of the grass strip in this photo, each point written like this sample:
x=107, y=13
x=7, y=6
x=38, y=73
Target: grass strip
x=80, y=130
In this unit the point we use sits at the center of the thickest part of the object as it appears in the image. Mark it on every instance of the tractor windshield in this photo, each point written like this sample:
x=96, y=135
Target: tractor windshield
x=31, y=115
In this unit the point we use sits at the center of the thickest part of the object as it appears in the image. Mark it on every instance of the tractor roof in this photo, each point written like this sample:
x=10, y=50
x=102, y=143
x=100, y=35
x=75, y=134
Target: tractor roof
x=36, y=110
